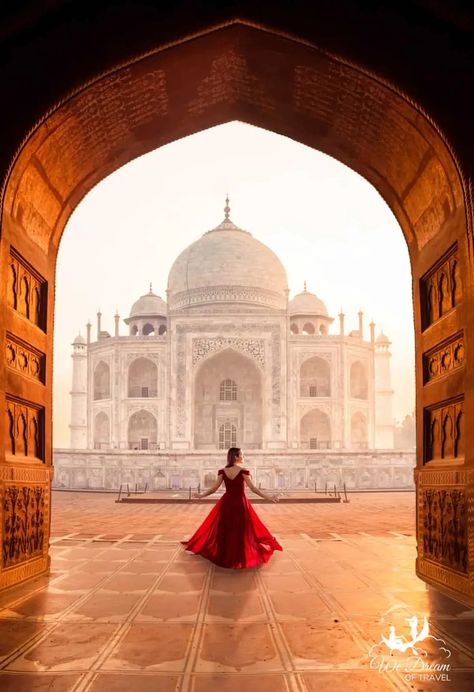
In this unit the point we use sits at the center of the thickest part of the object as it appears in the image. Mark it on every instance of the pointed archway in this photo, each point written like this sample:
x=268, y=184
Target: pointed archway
x=228, y=402
x=289, y=86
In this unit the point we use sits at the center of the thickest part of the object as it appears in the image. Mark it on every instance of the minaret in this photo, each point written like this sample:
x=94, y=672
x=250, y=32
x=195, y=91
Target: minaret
x=384, y=426
x=341, y=323
x=78, y=393
x=372, y=333
x=361, y=324
x=99, y=324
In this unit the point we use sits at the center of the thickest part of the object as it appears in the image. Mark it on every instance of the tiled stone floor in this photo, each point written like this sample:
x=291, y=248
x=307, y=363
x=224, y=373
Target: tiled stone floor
x=133, y=611
x=84, y=512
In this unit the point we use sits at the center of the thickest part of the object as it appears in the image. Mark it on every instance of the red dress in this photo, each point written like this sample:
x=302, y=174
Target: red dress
x=232, y=535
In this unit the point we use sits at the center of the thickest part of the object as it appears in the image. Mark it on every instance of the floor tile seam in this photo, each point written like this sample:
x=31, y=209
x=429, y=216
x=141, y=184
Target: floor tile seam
x=40, y=588
x=354, y=544
x=286, y=675
x=80, y=600
x=53, y=540
x=328, y=667
x=52, y=580
x=85, y=541
x=449, y=638
x=343, y=566
x=196, y=638
x=24, y=648
x=301, y=682
x=30, y=643
x=346, y=622
x=131, y=559
x=278, y=636
x=333, y=605
x=119, y=633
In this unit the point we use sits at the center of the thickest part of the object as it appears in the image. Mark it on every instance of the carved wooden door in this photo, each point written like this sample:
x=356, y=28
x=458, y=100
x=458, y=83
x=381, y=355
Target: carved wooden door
x=443, y=480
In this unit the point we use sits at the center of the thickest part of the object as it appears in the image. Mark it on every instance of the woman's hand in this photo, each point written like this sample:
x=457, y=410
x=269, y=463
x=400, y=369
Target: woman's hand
x=196, y=496
x=275, y=498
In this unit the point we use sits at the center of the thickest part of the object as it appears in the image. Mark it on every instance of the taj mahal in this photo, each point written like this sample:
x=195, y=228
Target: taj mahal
x=229, y=360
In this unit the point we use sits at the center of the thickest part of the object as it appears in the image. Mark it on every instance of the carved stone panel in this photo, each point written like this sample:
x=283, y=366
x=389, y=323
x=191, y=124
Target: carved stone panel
x=255, y=348
x=26, y=290
x=213, y=295
x=306, y=355
x=25, y=358
x=444, y=521
x=185, y=328
x=230, y=79
x=441, y=288
x=24, y=429
x=443, y=359
x=94, y=124
x=444, y=430
x=23, y=523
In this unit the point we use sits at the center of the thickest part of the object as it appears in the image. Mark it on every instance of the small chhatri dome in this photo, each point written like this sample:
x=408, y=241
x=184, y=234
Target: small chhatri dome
x=227, y=265
x=148, y=305
x=307, y=303
x=382, y=340
x=79, y=340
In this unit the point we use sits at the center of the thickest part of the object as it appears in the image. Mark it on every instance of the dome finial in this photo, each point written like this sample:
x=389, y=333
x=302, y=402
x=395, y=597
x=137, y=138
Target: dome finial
x=151, y=287
x=304, y=286
x=227, y=208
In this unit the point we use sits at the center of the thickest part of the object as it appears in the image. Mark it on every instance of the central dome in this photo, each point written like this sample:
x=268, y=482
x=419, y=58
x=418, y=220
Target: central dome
x=227, y=265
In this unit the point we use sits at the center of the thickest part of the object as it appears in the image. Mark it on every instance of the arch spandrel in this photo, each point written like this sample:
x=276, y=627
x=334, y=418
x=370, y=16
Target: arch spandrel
x=371, y=128
x=248, y=73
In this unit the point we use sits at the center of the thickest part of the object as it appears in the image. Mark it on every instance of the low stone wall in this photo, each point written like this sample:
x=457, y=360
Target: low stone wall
x=282, y=470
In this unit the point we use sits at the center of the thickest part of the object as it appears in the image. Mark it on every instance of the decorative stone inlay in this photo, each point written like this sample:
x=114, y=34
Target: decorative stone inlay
x=185, y=328
x=306, y=355
x=362, y=113
x=26, y=291
x=444, y=430
x=164, y=469
x=136, y=408
x=444, y=521
x=226, y=294
x=436, y=573
x=447, y=477
x=255, y=348
x=24, y=429
x=444, y=358
x=306, y=408
x=230, y=77
x=441, y=288
x=155, y=357
x=25, y=358
x=23, y=523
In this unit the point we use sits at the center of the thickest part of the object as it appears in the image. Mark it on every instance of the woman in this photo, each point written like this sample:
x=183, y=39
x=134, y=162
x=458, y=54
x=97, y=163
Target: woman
x=232, y=535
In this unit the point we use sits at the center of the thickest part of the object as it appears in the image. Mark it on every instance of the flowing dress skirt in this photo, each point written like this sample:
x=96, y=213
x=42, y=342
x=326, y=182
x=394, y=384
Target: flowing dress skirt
x=232, y=535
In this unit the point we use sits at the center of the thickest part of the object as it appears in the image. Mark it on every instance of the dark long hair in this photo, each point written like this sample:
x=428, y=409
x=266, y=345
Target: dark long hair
x=232, y=455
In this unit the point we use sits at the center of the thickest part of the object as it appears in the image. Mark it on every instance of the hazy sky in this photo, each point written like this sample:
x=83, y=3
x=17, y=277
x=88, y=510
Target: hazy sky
x=326, y=223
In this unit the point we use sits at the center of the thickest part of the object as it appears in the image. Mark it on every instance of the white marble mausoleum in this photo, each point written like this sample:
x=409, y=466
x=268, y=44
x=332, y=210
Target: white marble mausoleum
x=229, y=360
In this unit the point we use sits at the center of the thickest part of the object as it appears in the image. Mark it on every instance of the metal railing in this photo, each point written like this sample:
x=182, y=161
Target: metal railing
x=129, y=492
x=335, y=492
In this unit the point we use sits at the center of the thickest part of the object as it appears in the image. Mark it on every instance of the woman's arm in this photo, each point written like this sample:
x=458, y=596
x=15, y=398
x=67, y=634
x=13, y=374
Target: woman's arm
x=211, y=490
x=257, y=491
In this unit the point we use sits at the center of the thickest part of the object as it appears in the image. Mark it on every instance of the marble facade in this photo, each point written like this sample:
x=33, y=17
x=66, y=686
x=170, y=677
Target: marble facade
x=92, y=470
x=229, y=360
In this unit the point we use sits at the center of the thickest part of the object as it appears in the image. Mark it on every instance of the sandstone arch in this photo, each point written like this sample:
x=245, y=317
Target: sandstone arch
x=309, y=95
